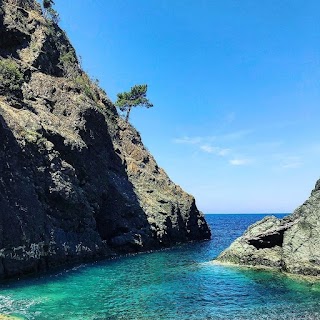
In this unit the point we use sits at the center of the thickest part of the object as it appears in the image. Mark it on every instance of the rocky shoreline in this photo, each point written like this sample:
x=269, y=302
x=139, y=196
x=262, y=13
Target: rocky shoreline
x=290, y=245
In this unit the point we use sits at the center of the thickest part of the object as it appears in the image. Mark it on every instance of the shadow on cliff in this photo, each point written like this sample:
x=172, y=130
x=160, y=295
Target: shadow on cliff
x=22, y=221
x=105, y=201
x=12, y=39
x=103, y=187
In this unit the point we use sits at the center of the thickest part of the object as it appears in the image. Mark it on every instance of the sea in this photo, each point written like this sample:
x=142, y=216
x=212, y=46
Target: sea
x=179, y=283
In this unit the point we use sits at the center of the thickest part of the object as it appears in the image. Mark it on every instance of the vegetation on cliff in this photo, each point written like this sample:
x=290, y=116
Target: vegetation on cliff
x=76, y=182
x=136, y=97
x=11, y=77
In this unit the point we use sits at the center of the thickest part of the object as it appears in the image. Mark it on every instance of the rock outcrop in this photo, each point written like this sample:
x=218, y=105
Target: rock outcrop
x=76, y=182
x=291, y=244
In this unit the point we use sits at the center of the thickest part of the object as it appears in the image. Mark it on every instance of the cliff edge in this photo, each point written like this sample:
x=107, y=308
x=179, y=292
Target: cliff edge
x=76, y=182
x=289, y=245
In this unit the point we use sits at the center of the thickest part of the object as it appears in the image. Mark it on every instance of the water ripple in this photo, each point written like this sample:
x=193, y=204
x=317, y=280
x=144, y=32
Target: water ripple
x=172, y=284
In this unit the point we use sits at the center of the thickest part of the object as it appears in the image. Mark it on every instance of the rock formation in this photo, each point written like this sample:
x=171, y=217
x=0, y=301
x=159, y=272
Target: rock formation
x=76, y=182
x=291, y=244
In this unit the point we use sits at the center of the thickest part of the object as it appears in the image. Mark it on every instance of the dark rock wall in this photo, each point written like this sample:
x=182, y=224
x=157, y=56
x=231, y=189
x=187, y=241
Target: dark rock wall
x=76, y=182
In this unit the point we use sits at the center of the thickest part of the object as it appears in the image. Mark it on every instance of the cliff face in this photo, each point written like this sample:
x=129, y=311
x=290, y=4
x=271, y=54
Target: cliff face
x=290, y=244
x=76, y=182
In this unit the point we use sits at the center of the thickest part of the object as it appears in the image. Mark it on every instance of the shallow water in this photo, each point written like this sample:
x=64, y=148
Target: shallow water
x=180, y=283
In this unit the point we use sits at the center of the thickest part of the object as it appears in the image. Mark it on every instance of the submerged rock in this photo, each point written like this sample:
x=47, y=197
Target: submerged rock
x=9, y=317
x=76, y=182
x=291, y=244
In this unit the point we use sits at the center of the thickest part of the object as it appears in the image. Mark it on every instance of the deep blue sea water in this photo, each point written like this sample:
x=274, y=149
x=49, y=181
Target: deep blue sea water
x=179, y=283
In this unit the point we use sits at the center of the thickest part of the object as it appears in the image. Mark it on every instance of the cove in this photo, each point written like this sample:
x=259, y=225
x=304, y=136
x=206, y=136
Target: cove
x=178, y=283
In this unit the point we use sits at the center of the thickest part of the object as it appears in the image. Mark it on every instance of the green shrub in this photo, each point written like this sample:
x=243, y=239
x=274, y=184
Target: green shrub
x=69, y=64
x=11, y=77
x=68, y=58
x=86, y=86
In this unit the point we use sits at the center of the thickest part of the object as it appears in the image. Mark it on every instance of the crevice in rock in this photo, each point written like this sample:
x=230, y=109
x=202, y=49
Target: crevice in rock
x=12, y=38
x=268, y=240
x=48, y=60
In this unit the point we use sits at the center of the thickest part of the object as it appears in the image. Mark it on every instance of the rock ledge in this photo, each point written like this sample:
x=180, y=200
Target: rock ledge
x=290, y=245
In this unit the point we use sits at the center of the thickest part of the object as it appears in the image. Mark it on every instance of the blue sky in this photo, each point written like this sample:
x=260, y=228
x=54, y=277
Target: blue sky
x=235, y=87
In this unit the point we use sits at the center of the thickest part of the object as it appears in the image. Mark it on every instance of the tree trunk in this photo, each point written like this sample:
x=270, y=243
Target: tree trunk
x=128, y=112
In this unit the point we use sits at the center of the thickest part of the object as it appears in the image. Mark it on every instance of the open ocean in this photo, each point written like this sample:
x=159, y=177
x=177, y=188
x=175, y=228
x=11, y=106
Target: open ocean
x=178, y=283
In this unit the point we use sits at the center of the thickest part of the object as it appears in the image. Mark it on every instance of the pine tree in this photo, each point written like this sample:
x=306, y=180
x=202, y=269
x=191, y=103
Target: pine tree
x=48, y=4
x=137, y=97
x=53, y=14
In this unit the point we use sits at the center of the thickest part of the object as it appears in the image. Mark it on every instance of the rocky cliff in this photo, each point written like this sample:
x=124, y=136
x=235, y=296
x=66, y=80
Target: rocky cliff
x=76, y=182
x=291, y=244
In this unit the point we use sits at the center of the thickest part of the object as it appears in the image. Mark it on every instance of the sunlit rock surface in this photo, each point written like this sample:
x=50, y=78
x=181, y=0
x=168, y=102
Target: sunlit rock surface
x=76, y=182
x=291, y=244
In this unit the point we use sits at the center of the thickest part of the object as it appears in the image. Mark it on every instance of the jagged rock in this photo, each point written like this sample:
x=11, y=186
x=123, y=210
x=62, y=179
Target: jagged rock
x=290, y=244
x=76, y=182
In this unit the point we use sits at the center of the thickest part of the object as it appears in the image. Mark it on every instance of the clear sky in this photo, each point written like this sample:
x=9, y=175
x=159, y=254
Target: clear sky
x=235, y=87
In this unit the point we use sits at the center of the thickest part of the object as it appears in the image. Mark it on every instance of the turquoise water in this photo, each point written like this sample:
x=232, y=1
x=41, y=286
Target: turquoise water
x=180, y=283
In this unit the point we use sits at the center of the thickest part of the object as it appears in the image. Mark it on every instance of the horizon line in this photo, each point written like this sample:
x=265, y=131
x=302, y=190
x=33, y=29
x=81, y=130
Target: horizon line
x=212, y=213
